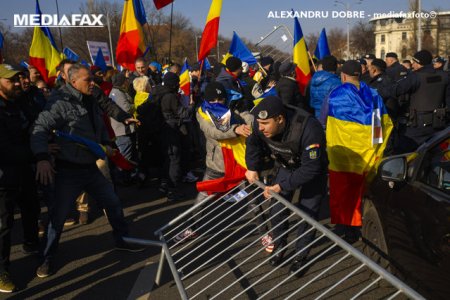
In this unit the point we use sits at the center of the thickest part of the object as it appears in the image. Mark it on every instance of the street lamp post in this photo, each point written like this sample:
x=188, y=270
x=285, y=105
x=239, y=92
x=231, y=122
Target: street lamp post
x=110, y=40
x=419, y=30
x=347, y=8
x=218, y=49
x=196, y=44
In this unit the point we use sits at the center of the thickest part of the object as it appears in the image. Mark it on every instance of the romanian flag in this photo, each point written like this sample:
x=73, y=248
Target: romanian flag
x=131, y=40
x=185, y=80
x=322, y=48
x=239, y=49
x=233, y=150
x=300, y=57
x=358, y=128
x=161, y=3
x=211, y=31
x=43, y=52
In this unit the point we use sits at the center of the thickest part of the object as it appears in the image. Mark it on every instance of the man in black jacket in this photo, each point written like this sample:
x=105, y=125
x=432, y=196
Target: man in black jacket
x=73, y=110
x=288, y=89
x=173, y=112
x=16, y=177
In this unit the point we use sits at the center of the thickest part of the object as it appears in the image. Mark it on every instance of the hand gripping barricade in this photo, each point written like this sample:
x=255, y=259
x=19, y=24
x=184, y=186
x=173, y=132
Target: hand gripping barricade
x=227, y=261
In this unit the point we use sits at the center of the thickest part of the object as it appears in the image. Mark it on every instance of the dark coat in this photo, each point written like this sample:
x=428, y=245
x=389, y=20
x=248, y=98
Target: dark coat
x=15, y=151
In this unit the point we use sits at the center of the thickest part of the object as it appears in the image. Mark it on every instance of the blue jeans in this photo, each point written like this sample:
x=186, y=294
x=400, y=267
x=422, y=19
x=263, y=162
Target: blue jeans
x=69, y=184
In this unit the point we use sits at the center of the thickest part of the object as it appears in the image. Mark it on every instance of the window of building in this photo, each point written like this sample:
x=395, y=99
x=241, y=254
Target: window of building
x=383, y=38
x=383, y=54
x=404, y=36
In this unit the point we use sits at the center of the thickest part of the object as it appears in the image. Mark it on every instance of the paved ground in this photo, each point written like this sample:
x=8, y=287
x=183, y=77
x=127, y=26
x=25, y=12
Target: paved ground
x=88, y=268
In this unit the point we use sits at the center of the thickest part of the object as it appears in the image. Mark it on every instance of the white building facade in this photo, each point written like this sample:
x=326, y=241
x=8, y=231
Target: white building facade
x=396, y=34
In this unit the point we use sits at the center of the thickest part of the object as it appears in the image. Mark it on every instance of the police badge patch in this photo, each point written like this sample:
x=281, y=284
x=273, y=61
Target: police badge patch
x=313, y=151
x=314, y=154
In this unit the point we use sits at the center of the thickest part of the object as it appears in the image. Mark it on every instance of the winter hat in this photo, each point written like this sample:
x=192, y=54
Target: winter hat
x=423, y=57
x=215, y=90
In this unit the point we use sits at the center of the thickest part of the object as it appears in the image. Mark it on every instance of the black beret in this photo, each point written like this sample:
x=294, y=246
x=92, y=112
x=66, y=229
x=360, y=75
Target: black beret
x=423, y=57
x=392, y=54
x=381, y=64
x=215, y=90
x=269, y=107
x=286, y=68
x=329, y=63
x=352, y=68
x=233, y=64
x=171, y=79
x=267, y=60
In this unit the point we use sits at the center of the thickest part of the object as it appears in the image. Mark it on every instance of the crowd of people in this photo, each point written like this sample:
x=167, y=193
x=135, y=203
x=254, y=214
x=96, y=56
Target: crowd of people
x=144, y=115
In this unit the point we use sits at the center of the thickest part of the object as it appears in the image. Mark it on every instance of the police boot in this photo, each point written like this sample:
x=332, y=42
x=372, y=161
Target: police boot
x=277, y=256
x=297, y=264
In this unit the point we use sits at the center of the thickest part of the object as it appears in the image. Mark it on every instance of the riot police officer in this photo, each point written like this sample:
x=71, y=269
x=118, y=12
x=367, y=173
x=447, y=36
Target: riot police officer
x=383, y=83
x=297, y=144
x=394, y=70
x=429, y=97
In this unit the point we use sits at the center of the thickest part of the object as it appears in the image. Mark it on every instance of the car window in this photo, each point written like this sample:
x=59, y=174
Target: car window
x=436, y=167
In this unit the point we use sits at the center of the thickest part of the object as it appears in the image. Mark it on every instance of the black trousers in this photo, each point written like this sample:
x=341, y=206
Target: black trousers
x=311, y=197
x=171, y=151
x=26, y=199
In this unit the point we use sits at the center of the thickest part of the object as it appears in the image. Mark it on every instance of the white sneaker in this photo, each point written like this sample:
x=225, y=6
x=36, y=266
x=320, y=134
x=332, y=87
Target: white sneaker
x=184, y=236
x=190, y=177
x=266, y=240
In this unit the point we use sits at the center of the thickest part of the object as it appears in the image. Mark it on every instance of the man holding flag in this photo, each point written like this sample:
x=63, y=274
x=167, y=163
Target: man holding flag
x=72, y=109
x=220, y=125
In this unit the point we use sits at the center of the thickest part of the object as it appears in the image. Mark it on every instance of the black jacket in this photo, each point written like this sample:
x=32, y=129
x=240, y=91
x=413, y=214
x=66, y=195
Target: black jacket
x=396, y=71
x=383, y=84
x=289, y=92
x=171, y=108
x=15, y=151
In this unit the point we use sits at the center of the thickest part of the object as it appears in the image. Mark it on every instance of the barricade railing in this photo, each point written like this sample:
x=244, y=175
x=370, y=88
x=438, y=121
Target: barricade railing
x=225, y=259
x=278, y=44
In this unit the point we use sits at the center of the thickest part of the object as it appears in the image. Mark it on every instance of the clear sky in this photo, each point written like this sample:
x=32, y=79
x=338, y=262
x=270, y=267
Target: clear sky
x=249, y=18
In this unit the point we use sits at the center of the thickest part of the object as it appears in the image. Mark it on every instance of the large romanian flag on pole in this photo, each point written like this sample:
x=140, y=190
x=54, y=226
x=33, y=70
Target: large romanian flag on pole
x=358, y=128
x=233, y=150
x=211, y=31
x=185, y=80
x=43, y=52
x=131, y=40
x=300, y=58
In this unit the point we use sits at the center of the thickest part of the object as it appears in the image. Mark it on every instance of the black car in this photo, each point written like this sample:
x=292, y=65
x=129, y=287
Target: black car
x=406, y=217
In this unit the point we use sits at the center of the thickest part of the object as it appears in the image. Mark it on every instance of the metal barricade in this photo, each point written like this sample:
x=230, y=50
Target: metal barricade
x=226, y=260
x=278, y=43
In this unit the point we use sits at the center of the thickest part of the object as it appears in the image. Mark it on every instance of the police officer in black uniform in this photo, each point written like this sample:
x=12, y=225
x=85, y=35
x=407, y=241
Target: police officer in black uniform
x=383, y=84
x=394, y=69
x=297, y=144
x=429, y=97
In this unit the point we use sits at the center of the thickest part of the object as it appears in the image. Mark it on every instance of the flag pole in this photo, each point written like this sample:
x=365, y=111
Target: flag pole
x=170, y=33
x=59, y=27
x=312, y=62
